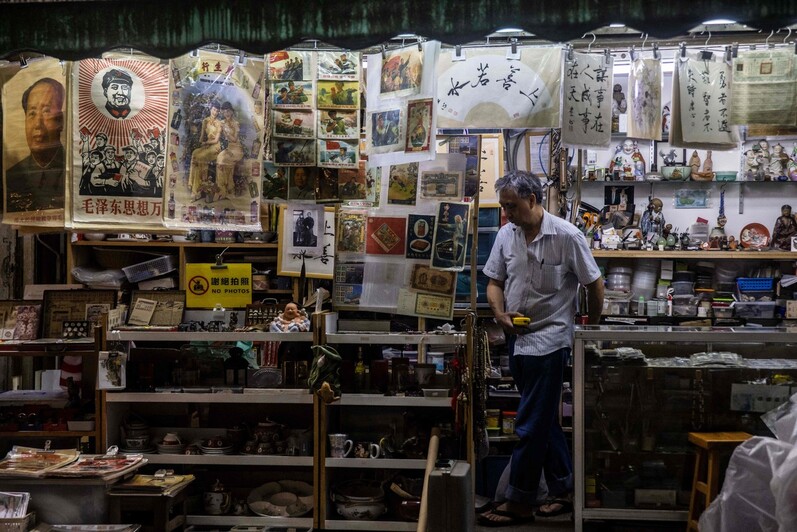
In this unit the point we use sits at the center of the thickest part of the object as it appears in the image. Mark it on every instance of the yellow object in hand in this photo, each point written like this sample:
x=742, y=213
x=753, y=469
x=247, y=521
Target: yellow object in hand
x=521, y=321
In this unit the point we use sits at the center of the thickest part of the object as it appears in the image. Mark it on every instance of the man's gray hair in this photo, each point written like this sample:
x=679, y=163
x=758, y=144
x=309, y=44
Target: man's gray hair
x=523, y=183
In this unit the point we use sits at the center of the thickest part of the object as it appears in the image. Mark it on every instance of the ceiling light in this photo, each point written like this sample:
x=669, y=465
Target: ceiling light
x=509, y=30
x=616, y=25
x=718, y=21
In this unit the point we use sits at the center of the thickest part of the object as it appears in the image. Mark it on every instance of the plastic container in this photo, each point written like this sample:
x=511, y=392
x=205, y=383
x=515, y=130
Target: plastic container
x=493, y=419
x=755, y=283
x=508, y=422
x=683, y=288
x=754, y=309
x=150, y=268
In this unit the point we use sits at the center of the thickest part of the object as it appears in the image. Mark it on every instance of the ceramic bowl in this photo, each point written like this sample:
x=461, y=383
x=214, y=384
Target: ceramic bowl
x=361, y=510
x=94, y=237
x=676, y=173
x=725, y=176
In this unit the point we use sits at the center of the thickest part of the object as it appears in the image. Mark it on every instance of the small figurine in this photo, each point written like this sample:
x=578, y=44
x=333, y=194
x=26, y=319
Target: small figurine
x=652, y=220
x=718, y=233
x=732, y=244
x=292, y=319
x=785, y=228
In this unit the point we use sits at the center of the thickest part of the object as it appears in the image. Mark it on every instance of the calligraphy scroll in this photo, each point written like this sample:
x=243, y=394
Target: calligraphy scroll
x=214, y=167
x=119, y=142
x=644, y=86
x=488, y=90
x=34, y=160
x=702, y=104
x=587, y=118
x=764, y=88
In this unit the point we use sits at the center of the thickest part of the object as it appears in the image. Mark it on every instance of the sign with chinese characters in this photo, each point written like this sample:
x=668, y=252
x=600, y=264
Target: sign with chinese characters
x=229, y=285
x=704, y=91
x=119, y=148
x=644, y=87
x=587, y=113
x=484, y=88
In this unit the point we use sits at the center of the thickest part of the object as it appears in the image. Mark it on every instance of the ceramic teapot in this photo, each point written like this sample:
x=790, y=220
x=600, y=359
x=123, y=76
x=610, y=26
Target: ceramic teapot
x=267, y=431
x=217, y=501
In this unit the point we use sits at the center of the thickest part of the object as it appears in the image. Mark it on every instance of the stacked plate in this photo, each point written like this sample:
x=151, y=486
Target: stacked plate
x=216, y=445
x=170, y=448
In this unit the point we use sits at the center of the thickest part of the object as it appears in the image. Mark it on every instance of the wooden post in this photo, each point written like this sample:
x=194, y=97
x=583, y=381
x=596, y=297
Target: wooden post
x=431, y=458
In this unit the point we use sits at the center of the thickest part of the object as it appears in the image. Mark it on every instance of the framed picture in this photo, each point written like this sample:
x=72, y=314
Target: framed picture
x=666, y=155
x=686, y=198
x=73, y=305
x=19, y=320
x=169, y=305
x=538, y=152
x=318, y=259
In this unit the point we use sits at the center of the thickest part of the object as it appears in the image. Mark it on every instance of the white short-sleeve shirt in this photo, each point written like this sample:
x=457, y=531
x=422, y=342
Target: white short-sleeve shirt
x=541, y=280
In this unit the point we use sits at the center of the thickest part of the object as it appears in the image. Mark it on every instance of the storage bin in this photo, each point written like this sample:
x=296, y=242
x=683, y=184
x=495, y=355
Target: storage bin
x=150, y=268
x=755, y=283
x=754, y=309
x=18, y=524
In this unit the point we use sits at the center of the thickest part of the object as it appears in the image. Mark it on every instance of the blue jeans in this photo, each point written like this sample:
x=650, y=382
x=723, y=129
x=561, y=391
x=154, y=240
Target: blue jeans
x=542, y=447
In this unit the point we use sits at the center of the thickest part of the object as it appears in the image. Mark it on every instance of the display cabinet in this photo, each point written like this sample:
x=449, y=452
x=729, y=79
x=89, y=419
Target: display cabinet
x=399, y=426
x=639, y=391
x=31, y=417
x=246, y=438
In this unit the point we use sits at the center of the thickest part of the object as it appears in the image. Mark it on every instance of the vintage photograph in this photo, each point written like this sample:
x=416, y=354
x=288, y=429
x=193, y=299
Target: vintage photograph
x=339, y=65
x=385, y=128
x=275, y=182
x=352, y=183
x=338, y=124
x=326, y=189
x=338, y=153
x=305, y=232
x=470, y=147
x=448, y=247
x=439, y=185
x=420, y=229
x=292, y=94
x=294, y=123
x=386, y=235
x=419, y=125
x=289, y=65
x=301, y=183
x=401, y=72
x=338, y=94
x=403, y=184
x=294, y=152
x=351, y=233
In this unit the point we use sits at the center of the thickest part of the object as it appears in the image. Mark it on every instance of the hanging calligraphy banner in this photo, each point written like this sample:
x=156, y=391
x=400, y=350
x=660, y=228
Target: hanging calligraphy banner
x=764, y=88
x=34, y=160
x=701, y=104
x=587, y=113
x=644, y=86
x=119, y=142
x=484, y=88
x=215, y=150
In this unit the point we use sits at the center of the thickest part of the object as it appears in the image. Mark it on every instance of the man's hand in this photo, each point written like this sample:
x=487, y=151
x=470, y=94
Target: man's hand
x=504, y=319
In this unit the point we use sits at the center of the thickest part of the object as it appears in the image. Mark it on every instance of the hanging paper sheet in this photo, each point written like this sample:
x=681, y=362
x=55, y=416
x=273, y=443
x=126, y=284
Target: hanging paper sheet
x=119, y=142
x=214, y=167
x=702, y=96
x=587, y=119
x=34, y=160
x=644, y=87
x=398, y=129
x=764, y=88
x=483, y=88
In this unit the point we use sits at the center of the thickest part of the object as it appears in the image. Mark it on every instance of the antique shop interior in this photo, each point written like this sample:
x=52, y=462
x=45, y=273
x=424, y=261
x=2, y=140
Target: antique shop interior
x=245, y=287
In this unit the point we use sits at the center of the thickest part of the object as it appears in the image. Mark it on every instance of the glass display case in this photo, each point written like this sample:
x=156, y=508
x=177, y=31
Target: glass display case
x=638, y=393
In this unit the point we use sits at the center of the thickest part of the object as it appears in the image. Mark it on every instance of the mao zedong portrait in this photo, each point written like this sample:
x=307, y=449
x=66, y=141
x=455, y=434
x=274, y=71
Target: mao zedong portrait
x=37, y=181
x=116, y=86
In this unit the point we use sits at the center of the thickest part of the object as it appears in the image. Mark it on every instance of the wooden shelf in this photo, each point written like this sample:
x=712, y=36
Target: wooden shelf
x=286, y=397
x=179, y=336
x=300, y=523
x=375, y=463
x=47, y=433
x=694, y=255
x=231, y=460
x=155, y=244
x=341, y=524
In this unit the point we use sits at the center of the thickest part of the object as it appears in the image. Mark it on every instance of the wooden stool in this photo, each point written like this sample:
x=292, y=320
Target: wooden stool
x=709, y=447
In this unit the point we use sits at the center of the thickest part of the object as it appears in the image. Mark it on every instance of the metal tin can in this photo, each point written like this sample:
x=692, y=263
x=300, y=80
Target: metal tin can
x=508, y=422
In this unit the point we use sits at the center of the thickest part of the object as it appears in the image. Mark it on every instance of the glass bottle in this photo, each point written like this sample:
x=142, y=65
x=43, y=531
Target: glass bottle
x=172, y=205
x=359, y=372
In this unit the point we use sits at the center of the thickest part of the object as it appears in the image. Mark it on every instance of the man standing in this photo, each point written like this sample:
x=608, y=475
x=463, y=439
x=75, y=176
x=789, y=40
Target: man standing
x=37, y=181
x=116, y=86
x=535, y=267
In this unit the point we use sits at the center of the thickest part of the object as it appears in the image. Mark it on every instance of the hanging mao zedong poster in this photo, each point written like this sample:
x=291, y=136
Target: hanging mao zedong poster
x=214, y=162
x=119, y=142
x=493, y=88
x=34, y=158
